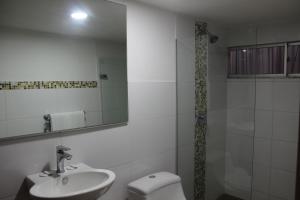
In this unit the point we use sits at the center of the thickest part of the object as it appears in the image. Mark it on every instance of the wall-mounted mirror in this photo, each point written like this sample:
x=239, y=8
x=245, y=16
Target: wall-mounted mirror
x=62, y=66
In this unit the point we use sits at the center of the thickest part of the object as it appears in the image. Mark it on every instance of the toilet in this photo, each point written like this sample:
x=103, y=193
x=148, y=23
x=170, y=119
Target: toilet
x=158, y=186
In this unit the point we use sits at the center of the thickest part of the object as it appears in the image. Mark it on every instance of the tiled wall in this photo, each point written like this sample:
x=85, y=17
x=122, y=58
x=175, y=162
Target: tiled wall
x=239, y=137
x=201, y=44
x=262, y=124
x=273, y=144
x=146, y=144
x=276, y=137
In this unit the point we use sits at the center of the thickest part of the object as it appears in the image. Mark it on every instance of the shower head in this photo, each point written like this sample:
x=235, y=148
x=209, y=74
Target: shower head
x=212, y=38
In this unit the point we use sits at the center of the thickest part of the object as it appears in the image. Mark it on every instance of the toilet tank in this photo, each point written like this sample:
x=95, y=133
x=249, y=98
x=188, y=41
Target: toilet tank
x=158, y=186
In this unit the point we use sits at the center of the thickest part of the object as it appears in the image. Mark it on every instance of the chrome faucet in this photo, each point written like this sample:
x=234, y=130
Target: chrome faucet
x=61, y=155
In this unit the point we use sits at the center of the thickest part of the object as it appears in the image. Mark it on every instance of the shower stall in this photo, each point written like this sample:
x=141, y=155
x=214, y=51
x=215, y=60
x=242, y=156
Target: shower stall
x=238, y=97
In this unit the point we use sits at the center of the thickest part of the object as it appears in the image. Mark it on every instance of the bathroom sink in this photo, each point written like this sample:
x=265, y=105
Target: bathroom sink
x=78, y=182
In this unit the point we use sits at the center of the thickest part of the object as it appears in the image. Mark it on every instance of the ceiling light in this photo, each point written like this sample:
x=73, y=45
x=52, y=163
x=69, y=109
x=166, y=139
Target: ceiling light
x=79, y=15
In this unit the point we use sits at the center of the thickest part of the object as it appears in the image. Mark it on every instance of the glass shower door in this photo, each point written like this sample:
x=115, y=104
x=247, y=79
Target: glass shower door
x=240, y=141
x=231, y=115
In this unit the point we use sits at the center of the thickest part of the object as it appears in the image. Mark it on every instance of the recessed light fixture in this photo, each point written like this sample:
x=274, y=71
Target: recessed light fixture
x=244, y=50
x=79, y=15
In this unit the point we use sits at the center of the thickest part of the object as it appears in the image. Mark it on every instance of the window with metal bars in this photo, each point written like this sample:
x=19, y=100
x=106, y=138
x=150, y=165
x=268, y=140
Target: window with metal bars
x=263, y=60
x=293, y=58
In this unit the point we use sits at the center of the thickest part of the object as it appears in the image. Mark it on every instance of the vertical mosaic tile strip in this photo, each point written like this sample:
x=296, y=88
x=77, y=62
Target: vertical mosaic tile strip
x=200, y=108
x=27, y=85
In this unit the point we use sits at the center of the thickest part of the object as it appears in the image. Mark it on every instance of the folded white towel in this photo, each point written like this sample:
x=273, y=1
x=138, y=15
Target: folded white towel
x=67, y=120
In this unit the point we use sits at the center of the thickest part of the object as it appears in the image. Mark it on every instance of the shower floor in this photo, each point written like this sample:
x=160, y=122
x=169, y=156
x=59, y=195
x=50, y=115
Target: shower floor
x=228, y=197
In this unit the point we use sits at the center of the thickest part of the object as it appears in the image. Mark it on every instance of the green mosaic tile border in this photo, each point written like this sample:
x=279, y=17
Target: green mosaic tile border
x=27, y=85
x=200, y=109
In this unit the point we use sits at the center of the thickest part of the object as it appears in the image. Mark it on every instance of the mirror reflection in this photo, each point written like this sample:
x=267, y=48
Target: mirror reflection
x=62, y=65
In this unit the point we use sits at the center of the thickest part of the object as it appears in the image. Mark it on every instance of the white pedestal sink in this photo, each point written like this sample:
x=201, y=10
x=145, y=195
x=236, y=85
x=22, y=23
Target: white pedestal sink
x=79, y=182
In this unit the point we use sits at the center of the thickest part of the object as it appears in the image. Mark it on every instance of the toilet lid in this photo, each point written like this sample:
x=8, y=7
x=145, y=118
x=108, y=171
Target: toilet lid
x=150, y=183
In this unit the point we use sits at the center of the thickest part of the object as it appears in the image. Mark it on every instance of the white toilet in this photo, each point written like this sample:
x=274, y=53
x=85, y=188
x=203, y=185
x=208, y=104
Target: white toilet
x=159, y=186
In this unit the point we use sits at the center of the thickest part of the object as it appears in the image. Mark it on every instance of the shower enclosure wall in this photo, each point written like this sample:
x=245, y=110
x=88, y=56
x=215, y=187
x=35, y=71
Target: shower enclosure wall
x=252, y=120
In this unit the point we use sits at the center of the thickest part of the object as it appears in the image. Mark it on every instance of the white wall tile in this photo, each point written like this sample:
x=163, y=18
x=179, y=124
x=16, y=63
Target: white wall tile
x=284, y=155
x=244, y=35
x=240, y=121
x=285, y=126
x=264, y=97
x=238, y=176
x=2, y=105
x=217, y=56
x=152, y=136
x=186, y=129
x=215, y=173
x=240, y=93
x=262, y=151
x=261, y=177
x=259, y=196
x=286, y=95
x=275, y=198
x=156, y=62
x=186, y=97
x=3, y=129
x=238, y=172
x=185, y=165
x=263, y=124
x=216, y=130
x=269, y=33
x=234, y=190
x=216, y=95
x=283, y=184
x=153, y=163
x=151, y=99
x=185, y=31
x=239, y=149
x=186, y=161
x=185, y=62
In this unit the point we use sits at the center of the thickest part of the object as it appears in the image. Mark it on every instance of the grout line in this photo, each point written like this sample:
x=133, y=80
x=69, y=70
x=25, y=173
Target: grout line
x=271, y=145
x=177, y=111
x=152, y=81
x=282, y=170
x=5, y=106
x=253, y=137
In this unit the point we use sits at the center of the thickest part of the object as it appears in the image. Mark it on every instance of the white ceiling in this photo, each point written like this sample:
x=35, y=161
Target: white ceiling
x=106, y=21
x=232, y=12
